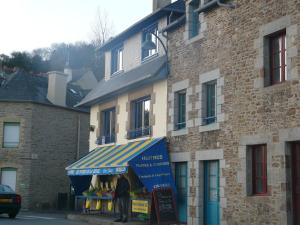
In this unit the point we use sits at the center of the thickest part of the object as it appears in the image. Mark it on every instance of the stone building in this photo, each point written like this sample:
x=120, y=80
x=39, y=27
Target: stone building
x=234, y=111
x=40, y=134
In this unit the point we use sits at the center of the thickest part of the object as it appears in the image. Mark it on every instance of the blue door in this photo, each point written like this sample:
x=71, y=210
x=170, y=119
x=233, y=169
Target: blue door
x=211, y=193
x=181, y=185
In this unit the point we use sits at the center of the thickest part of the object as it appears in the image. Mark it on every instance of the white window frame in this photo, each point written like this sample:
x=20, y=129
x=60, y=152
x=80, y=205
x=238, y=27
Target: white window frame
x=6, y=140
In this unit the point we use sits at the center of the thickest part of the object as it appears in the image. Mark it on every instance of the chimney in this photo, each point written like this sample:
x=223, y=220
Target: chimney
x=157, y=4
x=68, y=71
x=57, y=88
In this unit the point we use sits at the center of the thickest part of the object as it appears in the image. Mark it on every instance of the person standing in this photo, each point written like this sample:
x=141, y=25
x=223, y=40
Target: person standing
x=122, y=196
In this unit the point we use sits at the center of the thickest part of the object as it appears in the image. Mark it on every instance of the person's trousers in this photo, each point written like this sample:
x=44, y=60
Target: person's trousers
x=123, y=203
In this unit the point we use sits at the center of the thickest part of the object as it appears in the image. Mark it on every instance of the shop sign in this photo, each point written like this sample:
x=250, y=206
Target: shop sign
x=140, y=206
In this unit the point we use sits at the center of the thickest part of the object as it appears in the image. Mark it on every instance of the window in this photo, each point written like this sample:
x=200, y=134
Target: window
x=193, y=19
x=9, y=177
x=11, y=135
x=147, y=53
x=108, y=126
x=278, y=58
x=259, y=169
x=117, y=60
x=275, y=58
x=180, y=98
x=140, y=117
x=210, y=102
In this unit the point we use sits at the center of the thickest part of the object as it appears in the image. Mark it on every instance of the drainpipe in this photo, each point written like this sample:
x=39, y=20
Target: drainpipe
x=78, y=137
x=214, y=2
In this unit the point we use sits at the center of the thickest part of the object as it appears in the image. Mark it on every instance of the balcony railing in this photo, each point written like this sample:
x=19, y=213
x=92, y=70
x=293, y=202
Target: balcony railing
x=139, y=132
x=106, y=139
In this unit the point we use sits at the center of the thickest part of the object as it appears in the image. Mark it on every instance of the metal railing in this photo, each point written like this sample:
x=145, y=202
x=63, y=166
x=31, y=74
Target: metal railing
x=139, y=132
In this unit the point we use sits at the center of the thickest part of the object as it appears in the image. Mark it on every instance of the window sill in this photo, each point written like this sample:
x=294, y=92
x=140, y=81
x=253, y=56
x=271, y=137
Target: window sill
x=139, y=139
x=209, y=127
x=108, y=144
x=180, y=132
x=196, y=38
x=117, y=73
x=148, y=58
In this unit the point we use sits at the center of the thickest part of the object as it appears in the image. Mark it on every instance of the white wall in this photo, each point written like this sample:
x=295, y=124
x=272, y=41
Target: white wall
x=132, y=51
x=159, y=112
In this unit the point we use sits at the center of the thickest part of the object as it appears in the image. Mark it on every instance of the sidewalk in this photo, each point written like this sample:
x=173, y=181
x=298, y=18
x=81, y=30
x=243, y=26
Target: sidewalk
x=100, y=220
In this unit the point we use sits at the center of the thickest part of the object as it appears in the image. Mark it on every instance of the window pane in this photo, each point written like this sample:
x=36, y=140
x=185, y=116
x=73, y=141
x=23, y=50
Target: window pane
x=276, y=45
x=213, y=181
x=147, y=113
x=181, y=98
x=213, y=195
x=11, y=135
x=259, y=169
x=138, y=114
x=259, y=186
x=120, y=66
x=276, y=75
x=210, y=102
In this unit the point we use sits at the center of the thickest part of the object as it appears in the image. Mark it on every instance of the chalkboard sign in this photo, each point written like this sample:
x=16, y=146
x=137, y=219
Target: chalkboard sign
x=163, y=207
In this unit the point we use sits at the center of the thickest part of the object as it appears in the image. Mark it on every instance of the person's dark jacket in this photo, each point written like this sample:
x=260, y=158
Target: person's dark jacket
x=122, y=188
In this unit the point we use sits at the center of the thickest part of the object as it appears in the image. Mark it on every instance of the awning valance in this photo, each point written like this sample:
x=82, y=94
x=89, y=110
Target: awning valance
x=110, y=159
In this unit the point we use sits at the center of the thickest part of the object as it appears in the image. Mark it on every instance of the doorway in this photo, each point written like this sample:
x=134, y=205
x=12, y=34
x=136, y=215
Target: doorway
x=296, y=181
x=211, y=193
x=182, y=190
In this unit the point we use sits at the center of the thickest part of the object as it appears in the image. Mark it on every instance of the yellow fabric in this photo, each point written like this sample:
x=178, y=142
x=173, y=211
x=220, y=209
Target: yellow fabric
x=109, y=206
x=98, y=205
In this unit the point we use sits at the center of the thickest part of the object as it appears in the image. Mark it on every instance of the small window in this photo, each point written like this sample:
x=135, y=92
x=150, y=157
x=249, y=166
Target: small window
x=108, y=126
x=210, y=102
x=11, y=135
x=275, y=58
x=117, y=60
x=148, y=53
x=140, y=118
x=180, y=113
x=258, y=157
x=193, y=18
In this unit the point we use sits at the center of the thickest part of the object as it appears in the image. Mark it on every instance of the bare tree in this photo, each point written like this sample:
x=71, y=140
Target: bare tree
x=102, y=28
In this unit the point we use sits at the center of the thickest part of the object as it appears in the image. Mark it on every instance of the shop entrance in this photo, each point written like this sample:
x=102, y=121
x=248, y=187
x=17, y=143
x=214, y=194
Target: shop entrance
x=211, y=193
x=296, y=181
x=181, y=185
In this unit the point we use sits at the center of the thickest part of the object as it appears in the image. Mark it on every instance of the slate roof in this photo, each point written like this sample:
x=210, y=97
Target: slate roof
x=148, y=72
x=178, y=9
x=33, y=88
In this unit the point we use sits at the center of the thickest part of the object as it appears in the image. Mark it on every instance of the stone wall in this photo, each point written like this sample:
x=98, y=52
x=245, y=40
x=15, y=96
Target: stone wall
x=48, y=144
x=19, y=158
x=249, y=113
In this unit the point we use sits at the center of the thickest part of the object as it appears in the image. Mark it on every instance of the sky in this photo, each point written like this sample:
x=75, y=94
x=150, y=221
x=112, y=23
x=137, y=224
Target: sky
x=29, y=24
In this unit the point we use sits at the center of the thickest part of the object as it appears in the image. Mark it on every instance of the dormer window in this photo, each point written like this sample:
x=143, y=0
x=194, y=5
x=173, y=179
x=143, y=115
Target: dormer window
x=117, y=59
x=150, y=31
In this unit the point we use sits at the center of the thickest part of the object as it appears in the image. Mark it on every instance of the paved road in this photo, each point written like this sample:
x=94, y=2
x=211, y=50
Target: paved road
x=37, y=219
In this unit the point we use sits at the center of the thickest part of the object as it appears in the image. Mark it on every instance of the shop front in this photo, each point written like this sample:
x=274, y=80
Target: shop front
x=144, y=163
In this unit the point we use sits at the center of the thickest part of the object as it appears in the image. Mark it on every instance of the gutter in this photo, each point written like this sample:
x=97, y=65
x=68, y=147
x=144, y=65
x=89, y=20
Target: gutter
x=211, y=4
